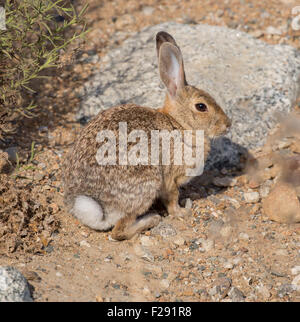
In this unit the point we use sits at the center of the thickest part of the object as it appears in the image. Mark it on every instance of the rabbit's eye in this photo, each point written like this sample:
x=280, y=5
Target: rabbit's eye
x=201, y=107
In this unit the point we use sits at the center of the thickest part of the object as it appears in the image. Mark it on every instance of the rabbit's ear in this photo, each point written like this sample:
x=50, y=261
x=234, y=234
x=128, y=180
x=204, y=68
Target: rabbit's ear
x=162, y=37
x=171, y=68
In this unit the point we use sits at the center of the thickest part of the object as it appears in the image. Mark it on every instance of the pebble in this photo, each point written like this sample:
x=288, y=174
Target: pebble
x=228, y=265
x=263, y=291
x=295, y=270
x=224, y=182
x=58, y=274
x=178, y=240
x=226, y=231
x=32, y=276
x=38, y=176
x=99, y=298
x=220, y=288
x=296, y=283
x=244, y=236
x=257, y=33
x=165, y=283
x=84, y=243
x=282, y=204
x=251, y=197
x=233, y=201
x=285, y=289
x=264, y=191
x=42, y=166
x=283, y=144
x=273, y=31
x=12, y=153
x=236, y=295
x=146, y=291
x=206, y=244
x=188, y=203
x=144, y=253
x=148, y=241
x=148, y=11
x=164, y=230
x=236, y=260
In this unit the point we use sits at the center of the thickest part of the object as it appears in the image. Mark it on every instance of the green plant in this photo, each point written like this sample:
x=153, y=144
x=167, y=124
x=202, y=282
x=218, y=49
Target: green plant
x=36, y=31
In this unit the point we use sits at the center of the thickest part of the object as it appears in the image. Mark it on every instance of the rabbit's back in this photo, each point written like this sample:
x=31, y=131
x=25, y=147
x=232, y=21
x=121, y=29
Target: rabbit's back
x=114, y=184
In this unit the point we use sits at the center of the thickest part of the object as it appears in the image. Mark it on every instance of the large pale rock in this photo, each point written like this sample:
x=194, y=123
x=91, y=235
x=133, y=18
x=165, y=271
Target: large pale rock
x=13, y=286
x=253, y=81
x=282, y=204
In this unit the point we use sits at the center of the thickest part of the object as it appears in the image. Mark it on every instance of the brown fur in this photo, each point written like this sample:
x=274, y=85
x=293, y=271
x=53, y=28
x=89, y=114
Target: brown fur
x=133, y=189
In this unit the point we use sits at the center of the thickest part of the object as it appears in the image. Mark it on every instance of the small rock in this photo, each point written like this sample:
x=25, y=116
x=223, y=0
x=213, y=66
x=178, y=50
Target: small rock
x=233, y=201
x=236, y=295
x=220, y=288
x=84, y=234
x=296, y=283
x=273, y=31
x=225, y=182
x=257, y=33
x=282, y=204
x=263, y=291
x=146, y=291
x=38, y=176
x=124, y=21
x=165, y=283
x=281, y=252
x=144, y=253
x=148, y=241
x=84, y=243
x=206, y=244
x=178, y=240
x=31, y=276
x=285, y=290
x=126, y=256
x=42, y=166
x=228, y=265
x=99, y=298
x=148, y=11
x=295, y=270
x=13, y=286
x=188, y=203
x=226, y=231
x=155, y=269
x=264, y=191
x=58, y=274
x=278, y=274
x=251, y=197
x=164, y=230
x=236, y=260
x=157, y=295
x=244, y=236
x=283, y=144
x=12, y=153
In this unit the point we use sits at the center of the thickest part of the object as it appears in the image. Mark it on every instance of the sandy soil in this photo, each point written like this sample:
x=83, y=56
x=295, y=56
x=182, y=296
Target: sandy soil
x=228, y=250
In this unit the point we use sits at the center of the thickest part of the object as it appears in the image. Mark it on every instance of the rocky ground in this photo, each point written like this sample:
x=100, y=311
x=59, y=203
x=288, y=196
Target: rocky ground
x=237, y=246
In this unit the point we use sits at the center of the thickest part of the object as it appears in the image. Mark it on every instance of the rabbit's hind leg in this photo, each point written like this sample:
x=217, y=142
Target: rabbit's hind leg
x=130, y=225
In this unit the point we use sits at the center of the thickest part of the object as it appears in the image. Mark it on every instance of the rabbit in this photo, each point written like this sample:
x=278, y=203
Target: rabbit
x=103, y=196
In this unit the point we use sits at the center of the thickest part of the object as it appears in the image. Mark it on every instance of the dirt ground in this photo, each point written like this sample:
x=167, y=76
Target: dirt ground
x=229, y=250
